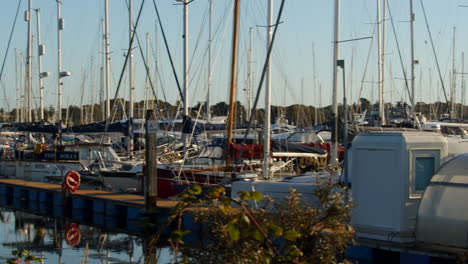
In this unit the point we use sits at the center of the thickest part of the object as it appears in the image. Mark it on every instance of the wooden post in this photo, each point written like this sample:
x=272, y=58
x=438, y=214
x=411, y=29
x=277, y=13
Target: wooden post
x=150, y=182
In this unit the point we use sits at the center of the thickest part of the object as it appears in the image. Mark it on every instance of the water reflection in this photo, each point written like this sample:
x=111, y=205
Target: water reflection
x=58, y=240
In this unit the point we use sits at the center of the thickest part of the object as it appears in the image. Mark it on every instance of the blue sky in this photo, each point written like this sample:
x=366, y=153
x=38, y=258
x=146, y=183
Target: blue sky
x=306, y=24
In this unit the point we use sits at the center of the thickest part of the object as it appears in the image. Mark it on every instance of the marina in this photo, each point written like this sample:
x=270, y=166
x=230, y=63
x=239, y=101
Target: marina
x=235, y=145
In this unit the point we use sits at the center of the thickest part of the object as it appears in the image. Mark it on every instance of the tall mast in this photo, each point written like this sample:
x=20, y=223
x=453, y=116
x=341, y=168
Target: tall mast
x=22, y=87
x=102, y=82
x=232, y=93
x=382, y=59
x=267, y=121
x=210, y=42
x=249, y=77
x=379, y=49
x=336, y=35
x=147, y=73
x=155, y=66
x=413, y=89
x=130, y=73
x=107, y=64
x=17, y=116
x=40, y=53
x=462, y=114
x=453, y=92
x=29, y=64
x=59, y=62
x=315, y=85
x=186, y=62
x=90, y=118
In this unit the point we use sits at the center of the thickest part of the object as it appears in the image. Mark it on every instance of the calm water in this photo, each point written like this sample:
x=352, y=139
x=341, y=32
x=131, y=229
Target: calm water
x=46, y=237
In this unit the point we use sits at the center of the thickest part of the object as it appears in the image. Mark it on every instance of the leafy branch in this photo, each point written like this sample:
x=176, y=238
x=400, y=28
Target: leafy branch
x=289, y=231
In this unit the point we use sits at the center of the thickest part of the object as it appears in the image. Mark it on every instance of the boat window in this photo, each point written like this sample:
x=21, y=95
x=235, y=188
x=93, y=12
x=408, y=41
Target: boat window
x=424, y=169
x=423, y=166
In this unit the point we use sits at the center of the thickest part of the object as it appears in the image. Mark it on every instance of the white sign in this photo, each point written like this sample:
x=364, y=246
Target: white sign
x=152, y=126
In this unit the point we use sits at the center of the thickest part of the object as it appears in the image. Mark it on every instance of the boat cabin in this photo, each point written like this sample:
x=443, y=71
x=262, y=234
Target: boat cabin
x=389, y=172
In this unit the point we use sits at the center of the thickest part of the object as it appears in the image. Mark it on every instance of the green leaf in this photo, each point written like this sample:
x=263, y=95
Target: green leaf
x=23, y=253
x=177, y=235
x=225, y=207
x=246, y=219
x=291, y=235
x=246, y=196
x=233, y=232
x=294, y=251
x=258, y=235
x=257, y=196
x=196, y=189
x=277, y=231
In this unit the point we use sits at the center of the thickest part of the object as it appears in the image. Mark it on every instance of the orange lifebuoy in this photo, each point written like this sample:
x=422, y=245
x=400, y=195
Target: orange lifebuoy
x=72, y=180
x=73, y=236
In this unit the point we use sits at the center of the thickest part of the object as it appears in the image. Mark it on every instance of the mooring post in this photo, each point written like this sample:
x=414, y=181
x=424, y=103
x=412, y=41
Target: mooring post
x=150, y=183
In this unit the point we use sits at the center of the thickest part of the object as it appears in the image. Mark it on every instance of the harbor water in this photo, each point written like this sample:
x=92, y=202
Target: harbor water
x=59, y=240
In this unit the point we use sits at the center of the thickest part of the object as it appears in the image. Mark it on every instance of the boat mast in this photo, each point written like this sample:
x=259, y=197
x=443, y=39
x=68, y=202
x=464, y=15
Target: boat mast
x=101, y=81
x=186, y=62
x=453, y=92
x=107, y=62
x=315, y=85
x=462, y=115
x=380, y=55
x=336, y=35
x=130, y=73
x=152, y=96
x=233, y=83
x=147, y=74
x=267, y=121
x=413, y=89
x=29, y=64
x=22, y=87
x=40, y=53
x=382, y=59
x=249, y=77
x=59, y=62
x=210, y=42
x=17, y=113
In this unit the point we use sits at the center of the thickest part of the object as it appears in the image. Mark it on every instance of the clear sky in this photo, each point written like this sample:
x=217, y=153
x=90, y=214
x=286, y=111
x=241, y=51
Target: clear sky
x=307, y=28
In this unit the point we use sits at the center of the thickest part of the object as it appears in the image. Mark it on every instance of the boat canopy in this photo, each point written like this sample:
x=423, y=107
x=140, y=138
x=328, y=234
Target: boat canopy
x=443, y=213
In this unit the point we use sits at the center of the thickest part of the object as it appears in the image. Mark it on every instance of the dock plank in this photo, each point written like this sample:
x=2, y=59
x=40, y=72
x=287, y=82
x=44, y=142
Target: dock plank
x=117, y=198
x=32, y=185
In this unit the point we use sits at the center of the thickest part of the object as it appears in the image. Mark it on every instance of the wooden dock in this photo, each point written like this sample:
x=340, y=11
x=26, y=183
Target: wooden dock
x=93, y=206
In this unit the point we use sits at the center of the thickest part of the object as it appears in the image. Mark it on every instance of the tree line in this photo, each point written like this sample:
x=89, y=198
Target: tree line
x=297, y=114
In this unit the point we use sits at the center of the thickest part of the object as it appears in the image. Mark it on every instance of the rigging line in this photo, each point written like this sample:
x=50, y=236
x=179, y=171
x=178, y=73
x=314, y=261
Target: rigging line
x=5, y=97
x=155, y=58
x=367, y=64
x=399, y=53
x=168, y=51
x=262, y=78
x=435, y=54
x=195, y=49
x=153, y=51
x=9, y=39
x=145, y=63
x=8, y=48
x=221, y=29
x=127, y=56
x=161, y=84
